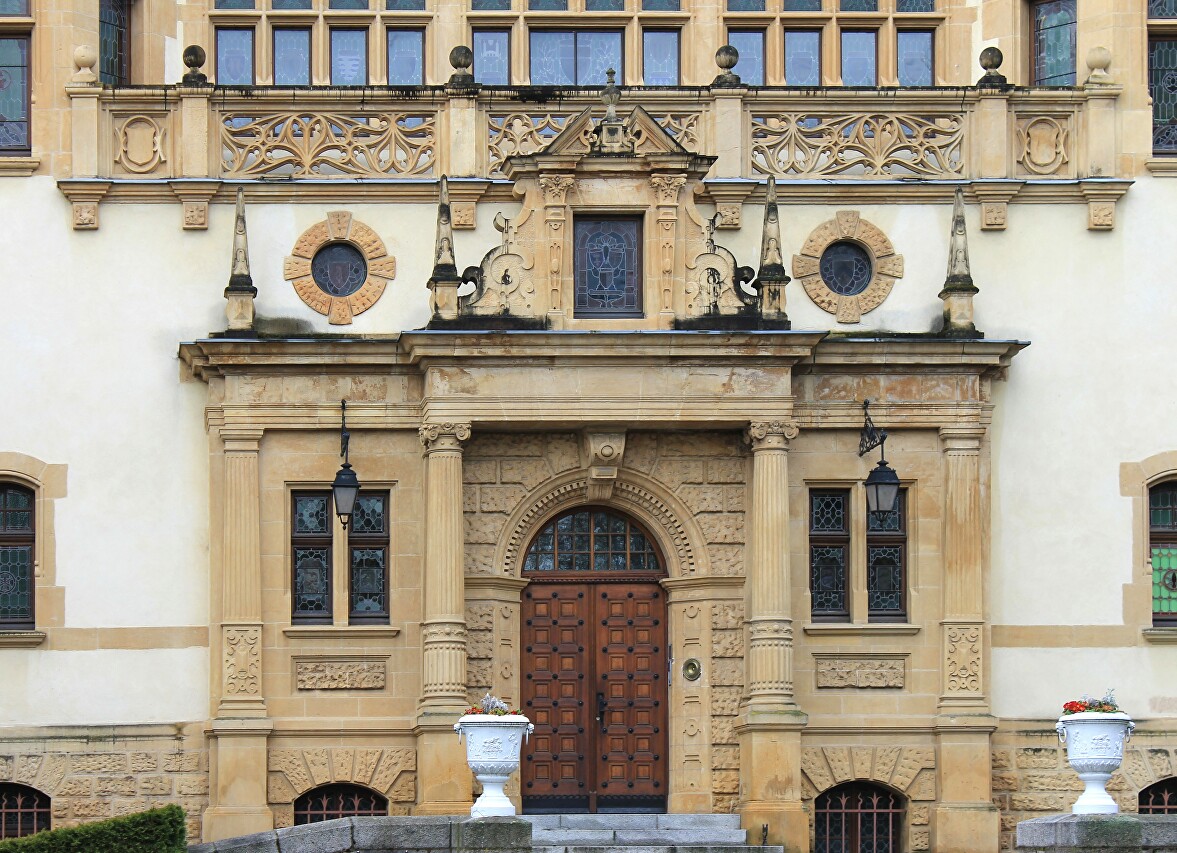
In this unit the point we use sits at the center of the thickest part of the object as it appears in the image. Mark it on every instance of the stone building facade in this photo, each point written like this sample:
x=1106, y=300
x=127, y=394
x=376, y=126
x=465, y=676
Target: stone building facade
x=605, y=354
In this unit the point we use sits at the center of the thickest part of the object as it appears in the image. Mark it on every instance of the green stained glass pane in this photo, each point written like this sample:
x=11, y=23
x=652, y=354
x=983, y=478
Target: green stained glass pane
x=1164, y=580
x=1162, y=8
x=1054, y=43
x=16, y=583
x=310, y=514
x=14, y=7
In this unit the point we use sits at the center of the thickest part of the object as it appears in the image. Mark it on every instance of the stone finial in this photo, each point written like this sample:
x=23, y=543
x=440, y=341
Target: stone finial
x=991, y=59
x=461, y=60
x=240, y=293
x=1099, y=59
x=771, y=278
x=610, y=135
x=726, y=58
x=959, y=289
x=445, y=281
x=610, y=95
x=85, y=58
x=194, y=58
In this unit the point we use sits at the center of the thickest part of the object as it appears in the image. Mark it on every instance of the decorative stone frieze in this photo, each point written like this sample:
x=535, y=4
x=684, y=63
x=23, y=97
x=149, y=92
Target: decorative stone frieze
x=838, y=671
x=340, y=674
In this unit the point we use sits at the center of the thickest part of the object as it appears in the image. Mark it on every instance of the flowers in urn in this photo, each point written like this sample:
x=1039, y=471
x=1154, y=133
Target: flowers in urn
x=1094, y=731
x=494, y=735
x=1105, y=705
x=494, y=706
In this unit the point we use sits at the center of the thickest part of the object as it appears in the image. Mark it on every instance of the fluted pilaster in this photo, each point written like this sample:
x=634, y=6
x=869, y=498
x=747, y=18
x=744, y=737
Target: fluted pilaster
x=770, y=628
x=444, y=629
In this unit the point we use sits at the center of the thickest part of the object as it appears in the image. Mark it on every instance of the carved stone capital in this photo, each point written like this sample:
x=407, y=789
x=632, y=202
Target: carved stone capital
x=604, y=452
x=771, y=435
x=555, y=187
x=962, y=439
x=444, y=436
x=241, y=439
x=666, y=187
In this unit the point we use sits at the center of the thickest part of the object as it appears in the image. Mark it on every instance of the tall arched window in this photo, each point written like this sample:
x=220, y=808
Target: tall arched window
x=1162, y=541
x=328, y=802
x=23, y=810
x=1160, y=798
x=858, y=817
x=17, y=580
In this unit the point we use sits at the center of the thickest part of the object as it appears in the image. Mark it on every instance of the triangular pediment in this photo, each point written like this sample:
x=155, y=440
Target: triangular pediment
x=649, y=138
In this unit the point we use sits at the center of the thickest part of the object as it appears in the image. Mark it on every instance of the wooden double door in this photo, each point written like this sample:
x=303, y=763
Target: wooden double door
x=594, y=672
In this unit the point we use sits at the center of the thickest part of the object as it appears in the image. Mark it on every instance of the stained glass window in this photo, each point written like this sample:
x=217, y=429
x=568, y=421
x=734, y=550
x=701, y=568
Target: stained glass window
x=1162, y=521
x=234, y=60
x=339, y=800
x=406, y=5
x=492, y=57
x=1054, y=43
x=339, y=269
x=23, y=810
x=886, y=560
x=547, y=5
x=574, y=58
x=829, y=551
x=802, y=5
x=750, y=45
x=857, y=816
x=290, y=5
x=859, y=58
x=915, y=6
x=660, y=57
x=14, y=7
x=14, y=95
x=349, y=58
x=660, y=5
x=858, y=5
x=1162, y=85
x=406, y=57
x=311, y=541
x=491, y=5
x=845, y=268
x=348, y=4
x=368, y=546
x=604, y=5
x=114, y=42
x=593, y=540
x=802, y=58
x=914, y=49
x=1162, y=8
x=596, y=53
x=745, y=5
x=236, y=4
x=608, y=267
x=16, y=558
x=292, y=57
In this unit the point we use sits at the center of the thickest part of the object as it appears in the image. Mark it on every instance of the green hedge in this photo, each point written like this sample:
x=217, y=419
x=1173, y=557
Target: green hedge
x=155, y=831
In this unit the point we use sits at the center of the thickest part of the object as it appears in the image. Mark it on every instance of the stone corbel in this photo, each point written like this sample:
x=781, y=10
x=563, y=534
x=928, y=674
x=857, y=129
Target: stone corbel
x=464, y=198
x=1101, y=198
x=994, y=197
x=604, y=452
x=194, y=197
x=729, y=200
x=84, y=195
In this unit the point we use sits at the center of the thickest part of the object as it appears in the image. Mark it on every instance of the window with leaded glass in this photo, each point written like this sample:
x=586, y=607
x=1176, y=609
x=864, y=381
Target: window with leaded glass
x=592, y=540
x=660, y=57
x=574, y=57
x=23, y=810
x=802, y=57
x=292, y=56
x=886, y=563
x=349, y=57
x=14, y=7
x=114, y=42
x=1162, y=8
x=1053, y=43
x=310, y=588
x=492, y=57
x=367, y=547
x=860, y=61
x=14, y=97
x=913, y=50
x=234, y=56
x=750, y=45
x=1162, y=85
x=607, y=261
x=829, y=554
x=339, y=800
x=406, y=57
x=1162, y=527
x=17, y=560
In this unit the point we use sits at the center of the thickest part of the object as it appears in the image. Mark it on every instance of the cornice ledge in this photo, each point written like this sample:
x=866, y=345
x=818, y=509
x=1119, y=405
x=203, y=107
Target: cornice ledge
x=21, y=639
x=340, y=632
x=18, y=167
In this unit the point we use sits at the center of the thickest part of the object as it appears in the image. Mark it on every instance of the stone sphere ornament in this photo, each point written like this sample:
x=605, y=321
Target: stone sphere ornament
x=991, y=58
x=727, y=57
x=461, y=58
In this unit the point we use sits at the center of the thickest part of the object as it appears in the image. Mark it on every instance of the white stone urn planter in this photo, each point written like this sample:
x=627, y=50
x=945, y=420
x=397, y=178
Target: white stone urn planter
x=1095, y=747
x=493, y=744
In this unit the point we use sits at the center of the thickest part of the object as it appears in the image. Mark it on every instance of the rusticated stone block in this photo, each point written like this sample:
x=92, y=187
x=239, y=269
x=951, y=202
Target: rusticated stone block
x=469, y=499
x=77, y=786
x=920, y=815
x=1038, y=757
x=99, y=763
x=723, y=730
x=725, y=757
x=181, y=762
x=1162, y=765
x=480, y=471
x=499, y=498
x=563, y=452
x=1061, y=781
x=120, y=808
x=191, y=786
x=143, y=762
x=727, y=470
x=727, y=643
x=1002, y=759
x=725, y=700
x=1005, y=781
x=28, y=767
x=1040, y=802
x=155, y=786
x=479, y=644
x=721, y=527
x=122, y=785
x=921, y=839
x=727, y=671
x=52, y=772
x=91, y=808
x=7, y=762
x=484, y=528
x=729, y=615
x=527, y=472
x=886, y=758
x=725, y=781
x=480, y=617
x=675, y=472
x=703, y=498
x=726, y=560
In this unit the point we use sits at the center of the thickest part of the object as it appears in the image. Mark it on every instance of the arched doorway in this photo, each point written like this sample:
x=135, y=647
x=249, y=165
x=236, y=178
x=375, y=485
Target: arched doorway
x=858, y=817
x=594, y=664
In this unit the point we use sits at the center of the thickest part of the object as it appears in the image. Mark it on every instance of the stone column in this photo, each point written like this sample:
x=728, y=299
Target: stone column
x=555, y=190
x=965, y=818
x=444, y=778
x=770, y=723
x=237, y=797
x=666, y=189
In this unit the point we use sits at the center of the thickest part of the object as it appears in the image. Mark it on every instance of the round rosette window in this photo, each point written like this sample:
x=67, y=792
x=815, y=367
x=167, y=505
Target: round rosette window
x=339, y=267
x=847, y=266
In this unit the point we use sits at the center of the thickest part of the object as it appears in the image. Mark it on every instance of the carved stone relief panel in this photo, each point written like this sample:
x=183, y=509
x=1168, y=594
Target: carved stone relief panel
x=360, y=673
x=140, y=143
x=1044, y=145
x=876, y=671
x=847, y=266
x=339, y=267
x=241, y=649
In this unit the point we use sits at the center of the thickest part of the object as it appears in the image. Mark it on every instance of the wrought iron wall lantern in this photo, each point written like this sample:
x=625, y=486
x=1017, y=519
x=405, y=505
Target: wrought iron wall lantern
x=882, y=484
x=346, y=486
